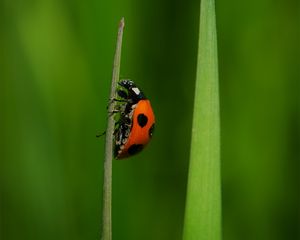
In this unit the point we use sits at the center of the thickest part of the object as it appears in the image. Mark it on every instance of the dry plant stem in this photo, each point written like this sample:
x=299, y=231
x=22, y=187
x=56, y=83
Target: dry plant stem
x=107, y=182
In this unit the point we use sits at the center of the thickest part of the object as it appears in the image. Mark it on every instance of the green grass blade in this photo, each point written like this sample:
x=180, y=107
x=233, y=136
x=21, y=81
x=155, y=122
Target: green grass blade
x=107, y=181
x=203, y=204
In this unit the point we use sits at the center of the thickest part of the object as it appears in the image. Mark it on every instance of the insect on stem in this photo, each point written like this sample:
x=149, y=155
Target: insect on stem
x=107, y=181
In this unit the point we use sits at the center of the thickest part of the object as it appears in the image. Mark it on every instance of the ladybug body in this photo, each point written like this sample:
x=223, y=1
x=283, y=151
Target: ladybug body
x=135, y=126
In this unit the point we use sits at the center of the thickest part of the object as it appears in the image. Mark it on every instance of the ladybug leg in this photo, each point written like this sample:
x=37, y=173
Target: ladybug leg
x=118, y=123
x=117, y=100
x=113, y=112
x=123, y=97
x=118, y=108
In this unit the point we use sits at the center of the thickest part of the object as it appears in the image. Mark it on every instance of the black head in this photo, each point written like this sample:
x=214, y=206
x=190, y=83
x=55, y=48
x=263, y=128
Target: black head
x=134, y=92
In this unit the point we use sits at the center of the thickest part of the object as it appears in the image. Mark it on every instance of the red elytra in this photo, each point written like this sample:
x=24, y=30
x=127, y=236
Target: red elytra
x=143, y=121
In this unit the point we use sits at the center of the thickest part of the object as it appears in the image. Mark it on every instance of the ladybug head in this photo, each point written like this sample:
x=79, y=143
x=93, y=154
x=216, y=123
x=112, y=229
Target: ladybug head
x=134, y=92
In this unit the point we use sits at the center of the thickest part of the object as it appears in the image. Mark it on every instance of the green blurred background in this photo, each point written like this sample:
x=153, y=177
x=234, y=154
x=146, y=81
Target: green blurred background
x=55, y=70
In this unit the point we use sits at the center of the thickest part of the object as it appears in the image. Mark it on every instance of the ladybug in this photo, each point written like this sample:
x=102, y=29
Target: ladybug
x=135, y=125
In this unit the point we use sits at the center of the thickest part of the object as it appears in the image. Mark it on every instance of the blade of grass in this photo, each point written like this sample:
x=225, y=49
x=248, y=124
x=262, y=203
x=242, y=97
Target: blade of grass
x=107, y=182
x=203, y=203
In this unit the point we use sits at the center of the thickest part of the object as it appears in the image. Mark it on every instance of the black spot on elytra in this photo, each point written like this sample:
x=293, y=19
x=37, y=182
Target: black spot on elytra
x=151, y=130
x=135, y=148
x=142, y=120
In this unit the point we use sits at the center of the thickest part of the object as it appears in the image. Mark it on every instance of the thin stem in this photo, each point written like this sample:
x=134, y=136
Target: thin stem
x=107, y=182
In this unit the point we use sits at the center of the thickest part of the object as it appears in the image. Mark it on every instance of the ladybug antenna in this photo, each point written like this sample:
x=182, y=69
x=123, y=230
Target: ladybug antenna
x=100, y=134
